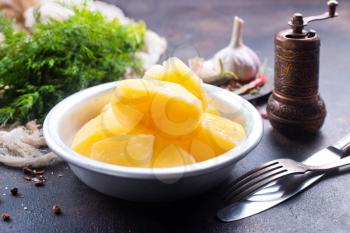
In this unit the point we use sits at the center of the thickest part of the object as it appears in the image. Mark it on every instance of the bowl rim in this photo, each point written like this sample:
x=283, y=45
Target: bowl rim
x=66, y=153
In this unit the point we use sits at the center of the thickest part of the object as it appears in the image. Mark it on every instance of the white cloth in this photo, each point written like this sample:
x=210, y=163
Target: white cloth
x=20, y=147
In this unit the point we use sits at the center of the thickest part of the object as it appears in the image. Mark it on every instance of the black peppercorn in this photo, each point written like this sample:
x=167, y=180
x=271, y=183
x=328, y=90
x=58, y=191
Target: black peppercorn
x=14, y=191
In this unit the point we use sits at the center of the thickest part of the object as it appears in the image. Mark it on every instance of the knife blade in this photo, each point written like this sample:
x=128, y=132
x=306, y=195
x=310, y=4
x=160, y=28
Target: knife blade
x=278, y=191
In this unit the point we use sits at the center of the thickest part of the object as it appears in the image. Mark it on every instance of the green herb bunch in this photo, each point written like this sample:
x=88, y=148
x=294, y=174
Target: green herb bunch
x=61, y=58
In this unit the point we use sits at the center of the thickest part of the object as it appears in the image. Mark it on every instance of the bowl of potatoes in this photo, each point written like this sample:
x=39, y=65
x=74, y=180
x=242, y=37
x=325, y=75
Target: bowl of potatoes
x=164, y=137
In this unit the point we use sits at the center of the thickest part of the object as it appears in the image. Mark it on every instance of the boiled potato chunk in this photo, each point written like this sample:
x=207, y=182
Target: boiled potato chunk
x=90, y=133
x=172, y=156
x=167, y=151
x=174, y=70
x=167, y=106
x=106, y=107
x=124, y=150
x=100, y=127
x=215, y=135
x=202, y=150
x=111, y=124
x=213, y=110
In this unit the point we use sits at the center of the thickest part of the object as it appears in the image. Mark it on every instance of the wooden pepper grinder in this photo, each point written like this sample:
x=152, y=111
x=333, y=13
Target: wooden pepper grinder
x=295, y=106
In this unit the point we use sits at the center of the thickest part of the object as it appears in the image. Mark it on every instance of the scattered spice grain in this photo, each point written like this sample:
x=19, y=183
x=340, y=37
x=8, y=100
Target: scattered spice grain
x=38, y=182
x=27, y=171
x=14, y=191
x=41, y=172
x=27, y=178
x=56, y=209
x=5, y=217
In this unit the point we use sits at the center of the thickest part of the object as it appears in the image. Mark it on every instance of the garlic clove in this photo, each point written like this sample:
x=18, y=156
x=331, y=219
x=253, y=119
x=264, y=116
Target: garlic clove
x=208, y=70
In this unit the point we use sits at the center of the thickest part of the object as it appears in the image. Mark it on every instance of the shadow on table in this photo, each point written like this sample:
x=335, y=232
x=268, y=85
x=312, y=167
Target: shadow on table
x=197, y=214
x=297, y=147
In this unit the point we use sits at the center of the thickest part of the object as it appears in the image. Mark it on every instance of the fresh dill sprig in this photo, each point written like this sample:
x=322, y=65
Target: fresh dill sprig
x=61, y=58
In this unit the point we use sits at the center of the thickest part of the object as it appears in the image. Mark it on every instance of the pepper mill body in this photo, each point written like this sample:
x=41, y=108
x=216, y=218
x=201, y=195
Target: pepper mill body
x=295, y=106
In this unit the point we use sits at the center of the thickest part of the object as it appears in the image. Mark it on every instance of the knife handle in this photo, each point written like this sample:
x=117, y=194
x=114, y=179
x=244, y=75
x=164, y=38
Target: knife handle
x=343, y=145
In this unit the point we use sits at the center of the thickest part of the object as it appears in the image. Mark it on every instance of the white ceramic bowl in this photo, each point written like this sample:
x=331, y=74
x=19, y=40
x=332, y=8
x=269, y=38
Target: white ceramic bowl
x=147, y=184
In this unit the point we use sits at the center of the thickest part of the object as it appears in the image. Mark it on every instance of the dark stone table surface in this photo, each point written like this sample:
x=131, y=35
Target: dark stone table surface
x=201, y=27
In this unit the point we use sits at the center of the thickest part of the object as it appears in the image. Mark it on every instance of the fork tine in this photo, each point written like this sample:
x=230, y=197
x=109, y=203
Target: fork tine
x=255, y=175
x=243, y=177
x=258, y=177
x=251, y=175
x=266, y=180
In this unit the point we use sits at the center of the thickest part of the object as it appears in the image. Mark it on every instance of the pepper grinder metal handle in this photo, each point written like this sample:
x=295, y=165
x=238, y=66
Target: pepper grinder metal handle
x=298, y=22
x=295, y=106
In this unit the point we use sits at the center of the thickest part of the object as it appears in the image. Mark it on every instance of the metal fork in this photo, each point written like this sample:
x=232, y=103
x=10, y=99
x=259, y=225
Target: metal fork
x=274, y=170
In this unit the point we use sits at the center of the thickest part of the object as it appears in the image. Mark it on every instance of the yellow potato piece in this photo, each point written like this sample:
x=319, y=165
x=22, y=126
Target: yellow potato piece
x=167, y=106
x=162, y=140
x=125, y=150
x=100, y=127
x=201, y=150
x=174, y=70
x=213, y=110
x=90, y=133
x=111, y=124
x=215, y=135
x=172, y=156
x=164, y=153
x=106, y=107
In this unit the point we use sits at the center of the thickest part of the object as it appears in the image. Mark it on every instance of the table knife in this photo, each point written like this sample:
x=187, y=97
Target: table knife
x=283, y=189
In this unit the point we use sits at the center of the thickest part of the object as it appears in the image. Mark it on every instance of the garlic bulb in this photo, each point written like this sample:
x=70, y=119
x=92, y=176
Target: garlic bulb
x=110, y=11
x=237, y=57
x=154, y=47
x=47, y=11
x=235, y=61
x=15, y=8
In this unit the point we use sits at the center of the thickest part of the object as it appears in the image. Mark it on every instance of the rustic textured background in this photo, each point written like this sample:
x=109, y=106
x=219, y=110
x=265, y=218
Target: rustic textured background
x=201, y=27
